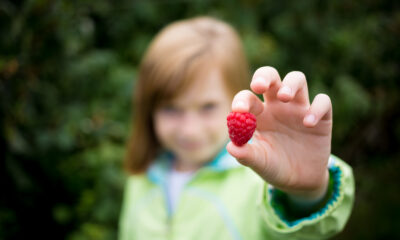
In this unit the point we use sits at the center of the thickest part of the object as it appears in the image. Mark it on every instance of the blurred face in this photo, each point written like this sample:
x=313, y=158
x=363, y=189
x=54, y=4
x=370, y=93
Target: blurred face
x=193, y=125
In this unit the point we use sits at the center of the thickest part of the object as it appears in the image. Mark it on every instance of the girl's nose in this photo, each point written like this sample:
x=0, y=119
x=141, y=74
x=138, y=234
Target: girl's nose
x=190, y=124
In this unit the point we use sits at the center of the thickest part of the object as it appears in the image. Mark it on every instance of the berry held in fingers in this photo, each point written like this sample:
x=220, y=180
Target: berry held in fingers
x=241, y=127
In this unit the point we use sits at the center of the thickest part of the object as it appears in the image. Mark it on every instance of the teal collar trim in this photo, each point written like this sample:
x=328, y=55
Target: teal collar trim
x=223, y=161
x=159, y=169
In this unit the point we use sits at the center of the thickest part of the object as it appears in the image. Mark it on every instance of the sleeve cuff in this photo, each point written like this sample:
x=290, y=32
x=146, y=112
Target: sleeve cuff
x=335, y=208
x=291, y=216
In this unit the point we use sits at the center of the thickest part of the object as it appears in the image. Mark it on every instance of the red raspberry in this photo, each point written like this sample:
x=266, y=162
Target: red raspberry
x=241, y=127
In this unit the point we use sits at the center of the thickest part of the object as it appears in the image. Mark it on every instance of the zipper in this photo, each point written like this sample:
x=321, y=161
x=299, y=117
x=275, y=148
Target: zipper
x=169, y=205
x=169, y=228
x=170, y=214
x=169, y=211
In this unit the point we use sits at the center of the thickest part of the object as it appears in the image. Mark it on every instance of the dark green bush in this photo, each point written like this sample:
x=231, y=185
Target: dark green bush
x=67, y=70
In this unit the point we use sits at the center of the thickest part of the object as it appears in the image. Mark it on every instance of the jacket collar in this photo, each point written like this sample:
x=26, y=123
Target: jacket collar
x=159, y=169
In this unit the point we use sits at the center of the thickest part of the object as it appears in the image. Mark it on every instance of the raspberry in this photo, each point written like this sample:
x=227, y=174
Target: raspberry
x=241, y=127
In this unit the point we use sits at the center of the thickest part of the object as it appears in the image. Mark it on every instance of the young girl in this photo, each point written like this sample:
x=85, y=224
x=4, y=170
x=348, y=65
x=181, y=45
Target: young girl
x=183, y=183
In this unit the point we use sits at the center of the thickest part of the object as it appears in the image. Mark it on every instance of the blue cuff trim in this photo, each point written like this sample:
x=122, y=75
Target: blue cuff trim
x=279, y=201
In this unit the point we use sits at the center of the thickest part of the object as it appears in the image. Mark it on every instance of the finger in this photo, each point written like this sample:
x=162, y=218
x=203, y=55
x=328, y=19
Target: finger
x=253, y=156
x=245, y=154
x=266, y=81
x=321, y=109
x=246, y=101
x=294, y=87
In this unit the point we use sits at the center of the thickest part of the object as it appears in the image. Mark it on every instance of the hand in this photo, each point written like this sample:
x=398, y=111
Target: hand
x=292, y=142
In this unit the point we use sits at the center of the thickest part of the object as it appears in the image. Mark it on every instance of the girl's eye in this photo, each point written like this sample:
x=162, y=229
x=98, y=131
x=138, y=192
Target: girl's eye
x=170, y=110
x=208, y=107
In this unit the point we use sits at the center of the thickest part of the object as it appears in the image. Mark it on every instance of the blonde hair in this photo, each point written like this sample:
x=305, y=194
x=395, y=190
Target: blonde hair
x=180, y=51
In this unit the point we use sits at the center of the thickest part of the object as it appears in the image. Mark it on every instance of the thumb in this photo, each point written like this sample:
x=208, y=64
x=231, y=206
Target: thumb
x=247, y=156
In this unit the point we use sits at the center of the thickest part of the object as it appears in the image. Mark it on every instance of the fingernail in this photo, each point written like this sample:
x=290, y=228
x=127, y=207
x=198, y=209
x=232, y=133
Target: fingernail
x=286, y=90
x=310, y=118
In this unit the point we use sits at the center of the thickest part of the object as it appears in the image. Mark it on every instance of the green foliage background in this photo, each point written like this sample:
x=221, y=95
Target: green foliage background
x=67, y=70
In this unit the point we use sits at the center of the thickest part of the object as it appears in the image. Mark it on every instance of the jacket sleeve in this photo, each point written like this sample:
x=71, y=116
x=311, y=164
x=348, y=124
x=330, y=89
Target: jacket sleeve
x=323, y=223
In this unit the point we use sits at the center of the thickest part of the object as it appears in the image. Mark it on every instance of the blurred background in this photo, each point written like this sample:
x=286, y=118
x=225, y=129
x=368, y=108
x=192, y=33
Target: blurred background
x=67, y=70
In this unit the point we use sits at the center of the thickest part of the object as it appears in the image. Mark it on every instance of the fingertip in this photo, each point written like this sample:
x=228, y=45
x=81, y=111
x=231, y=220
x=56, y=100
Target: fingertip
x=296, y=82
x=240, y=106
x=229, y=148
x=238, y=152
x=309, y=120
x=259, y=85
x=247, y=101
x=321, y=109
x=285, y=94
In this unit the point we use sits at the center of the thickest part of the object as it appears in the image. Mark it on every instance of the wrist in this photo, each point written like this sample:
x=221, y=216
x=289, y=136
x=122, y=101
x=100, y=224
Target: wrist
x=310, y=198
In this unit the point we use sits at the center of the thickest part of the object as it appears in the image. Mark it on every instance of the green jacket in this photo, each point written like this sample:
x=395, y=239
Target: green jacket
x=225, y=200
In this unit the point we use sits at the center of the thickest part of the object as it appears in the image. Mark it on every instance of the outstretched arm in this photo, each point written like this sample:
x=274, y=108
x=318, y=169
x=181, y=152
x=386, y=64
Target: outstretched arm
x=290, y=150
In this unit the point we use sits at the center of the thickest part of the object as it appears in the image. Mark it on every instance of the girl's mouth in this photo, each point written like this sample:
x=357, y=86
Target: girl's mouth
x=191, y=146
